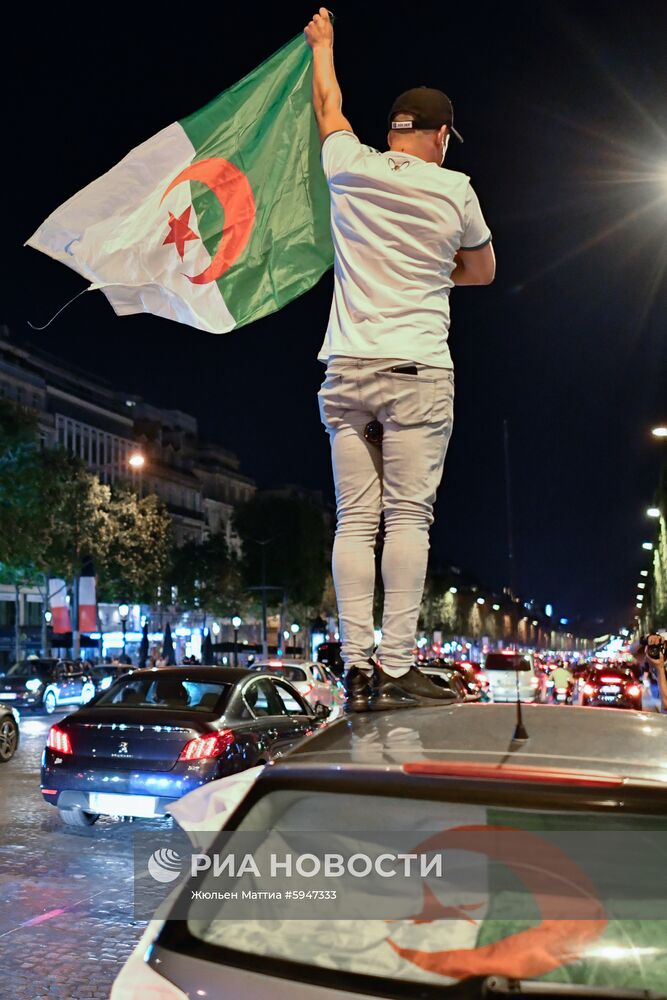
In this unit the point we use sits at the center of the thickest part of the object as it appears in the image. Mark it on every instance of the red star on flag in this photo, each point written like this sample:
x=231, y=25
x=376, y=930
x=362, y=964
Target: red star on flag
x=180, y=231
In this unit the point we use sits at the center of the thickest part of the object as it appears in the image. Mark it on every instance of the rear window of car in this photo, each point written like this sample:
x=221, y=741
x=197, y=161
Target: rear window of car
x=155, y=692
x=500, y=661
x=456, y=926
x=30, y=668
x=285, y=670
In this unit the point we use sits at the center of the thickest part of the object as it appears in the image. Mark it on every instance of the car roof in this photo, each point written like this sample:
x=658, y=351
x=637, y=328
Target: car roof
x=607, y=740
x=225, y=675
x=273, y=664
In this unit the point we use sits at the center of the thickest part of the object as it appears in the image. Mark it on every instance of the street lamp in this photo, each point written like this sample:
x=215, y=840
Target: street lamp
x=123, y=612
x=648, y=546
x=294, y=629
x=453, y=590
x=237, y=621
x=659, y=432
x=48, y=617
x=136, y=460
x=653, y=512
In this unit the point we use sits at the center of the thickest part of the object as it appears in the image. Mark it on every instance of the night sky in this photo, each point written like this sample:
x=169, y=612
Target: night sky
x=563, y=107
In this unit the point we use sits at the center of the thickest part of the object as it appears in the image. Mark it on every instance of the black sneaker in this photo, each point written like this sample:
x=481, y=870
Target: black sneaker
x=358, y=688
x=412, y=690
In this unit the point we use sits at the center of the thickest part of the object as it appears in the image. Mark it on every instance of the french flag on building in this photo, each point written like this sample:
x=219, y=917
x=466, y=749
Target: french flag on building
x=59, y=607
x=87, y=604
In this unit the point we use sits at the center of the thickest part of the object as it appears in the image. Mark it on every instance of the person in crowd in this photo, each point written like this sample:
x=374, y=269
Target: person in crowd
x=655, y=649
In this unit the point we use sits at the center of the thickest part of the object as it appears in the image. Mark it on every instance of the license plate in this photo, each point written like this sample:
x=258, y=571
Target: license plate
x=122, y=805
x=8, y=695
x=610, y=689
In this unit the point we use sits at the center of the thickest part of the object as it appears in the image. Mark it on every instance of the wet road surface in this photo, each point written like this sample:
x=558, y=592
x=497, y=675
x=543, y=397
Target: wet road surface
x=66, y=924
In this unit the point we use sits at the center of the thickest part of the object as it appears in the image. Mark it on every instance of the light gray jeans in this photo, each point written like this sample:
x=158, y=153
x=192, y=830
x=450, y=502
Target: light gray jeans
x=398, y=479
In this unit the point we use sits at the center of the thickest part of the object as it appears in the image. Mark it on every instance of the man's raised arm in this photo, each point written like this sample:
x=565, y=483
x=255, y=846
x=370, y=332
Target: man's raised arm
x=327, y=96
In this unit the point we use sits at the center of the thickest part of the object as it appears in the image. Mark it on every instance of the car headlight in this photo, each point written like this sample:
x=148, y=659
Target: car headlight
x=34, y=684
x=105, y=683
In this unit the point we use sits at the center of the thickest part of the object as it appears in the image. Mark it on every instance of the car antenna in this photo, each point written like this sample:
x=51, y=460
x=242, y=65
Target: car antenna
x=520, y=731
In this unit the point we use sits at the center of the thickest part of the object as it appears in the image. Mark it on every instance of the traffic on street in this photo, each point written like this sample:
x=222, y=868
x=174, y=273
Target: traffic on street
x=133, y=757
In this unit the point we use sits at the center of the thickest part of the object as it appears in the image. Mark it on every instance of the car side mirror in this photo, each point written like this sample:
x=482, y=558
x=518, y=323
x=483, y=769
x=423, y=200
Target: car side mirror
x=321, y=711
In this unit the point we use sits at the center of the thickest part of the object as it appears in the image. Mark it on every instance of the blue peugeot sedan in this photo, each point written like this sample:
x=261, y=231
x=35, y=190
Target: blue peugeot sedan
x=156, y=734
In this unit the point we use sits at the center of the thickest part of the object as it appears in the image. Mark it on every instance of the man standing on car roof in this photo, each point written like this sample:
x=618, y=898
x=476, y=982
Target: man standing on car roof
x=404, y=232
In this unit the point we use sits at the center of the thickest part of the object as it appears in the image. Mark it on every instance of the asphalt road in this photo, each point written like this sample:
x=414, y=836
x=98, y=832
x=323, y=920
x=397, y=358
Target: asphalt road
x=66, y=923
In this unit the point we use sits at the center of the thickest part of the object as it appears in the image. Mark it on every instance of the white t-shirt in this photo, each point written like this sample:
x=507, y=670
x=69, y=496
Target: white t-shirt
x=396, y=223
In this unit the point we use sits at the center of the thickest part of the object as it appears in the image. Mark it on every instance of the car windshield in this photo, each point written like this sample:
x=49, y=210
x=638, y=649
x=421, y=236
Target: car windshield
x=506, y=661
x=294, y=674
x=31, y=668
x=491, y=913
x=154, y=692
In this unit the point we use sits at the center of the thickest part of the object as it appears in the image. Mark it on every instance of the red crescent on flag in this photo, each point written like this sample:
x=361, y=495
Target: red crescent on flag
x=556, y=940
x=232, y=189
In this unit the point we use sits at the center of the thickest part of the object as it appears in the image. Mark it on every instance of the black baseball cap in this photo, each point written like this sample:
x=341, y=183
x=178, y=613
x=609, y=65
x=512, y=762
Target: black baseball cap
x=429, y=109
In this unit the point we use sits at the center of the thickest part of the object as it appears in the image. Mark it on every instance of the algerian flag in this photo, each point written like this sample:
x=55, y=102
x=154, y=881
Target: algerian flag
x=219, y=219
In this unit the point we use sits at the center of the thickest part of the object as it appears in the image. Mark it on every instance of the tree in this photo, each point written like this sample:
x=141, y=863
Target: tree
x=30, y=482
x=207, y=576
x=127, y=540
x=136, y=556
x=293, y=529
x=83, y=526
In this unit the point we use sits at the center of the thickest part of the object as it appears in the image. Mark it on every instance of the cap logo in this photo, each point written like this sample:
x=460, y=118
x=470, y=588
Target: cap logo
x=401, y=124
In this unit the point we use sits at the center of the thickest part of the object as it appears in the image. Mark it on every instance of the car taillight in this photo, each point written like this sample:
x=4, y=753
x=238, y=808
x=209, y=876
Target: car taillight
x=634, y=690
x=59, y=740
x=207, y=747
x=589, y=689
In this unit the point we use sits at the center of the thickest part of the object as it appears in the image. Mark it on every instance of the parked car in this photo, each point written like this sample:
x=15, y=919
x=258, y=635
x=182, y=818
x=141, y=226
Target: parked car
x=610, y=687
x=155, y=735
x=312, y=680
x=508, y=670
x=46, y=684
x=446, y=678
x=9, y=732
x=103, y=675
x=445, y=769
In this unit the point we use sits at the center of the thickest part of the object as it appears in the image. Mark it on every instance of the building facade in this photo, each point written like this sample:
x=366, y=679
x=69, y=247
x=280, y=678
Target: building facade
x=199, y=482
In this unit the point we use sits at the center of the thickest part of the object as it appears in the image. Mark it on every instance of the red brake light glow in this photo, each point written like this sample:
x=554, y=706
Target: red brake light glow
x=589, y=689
x=611, y=679
x=207, y=747
x=634, y=690
x=497, y=772
x=59, y=740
